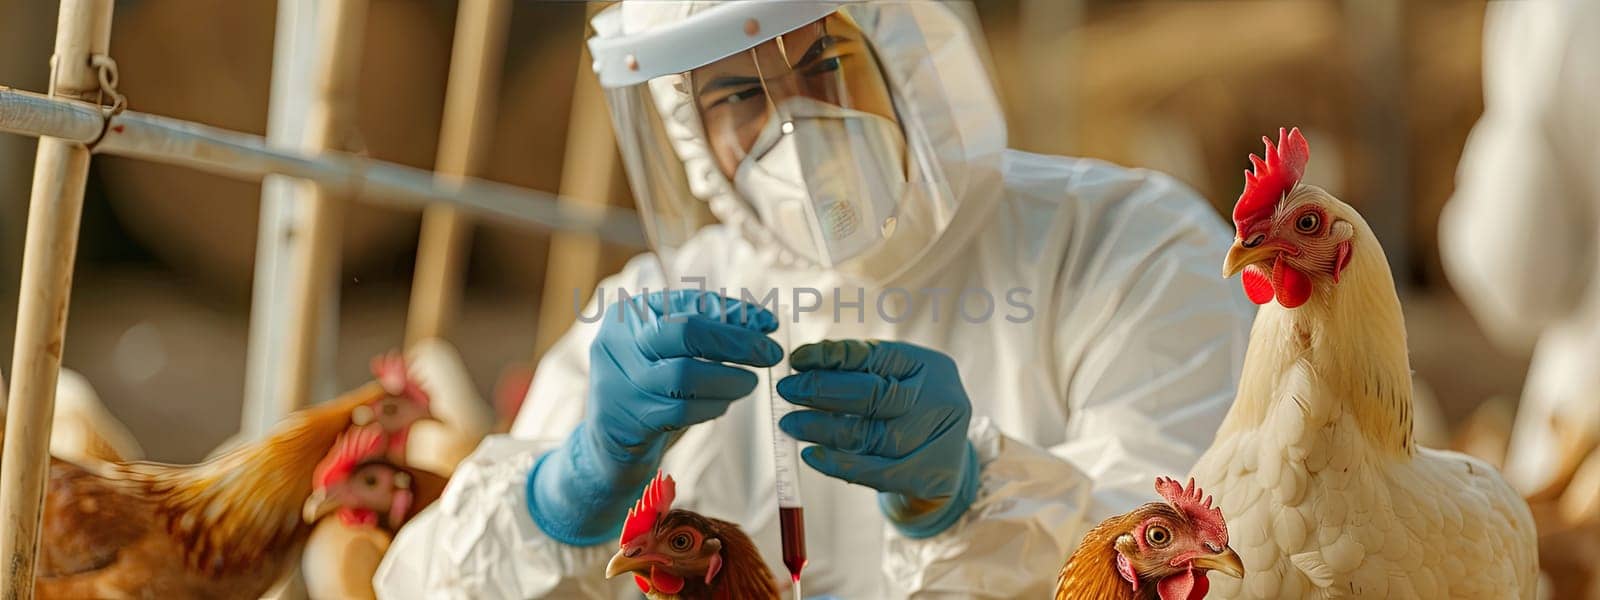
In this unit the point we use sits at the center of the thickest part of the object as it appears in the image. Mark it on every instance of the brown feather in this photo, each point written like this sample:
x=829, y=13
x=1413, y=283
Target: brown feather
x=744, y=575
x=1091, y=571
x=88, y=521
x=224, y=528
x=233, y=508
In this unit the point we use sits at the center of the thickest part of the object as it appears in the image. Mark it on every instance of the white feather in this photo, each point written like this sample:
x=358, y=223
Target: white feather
x=1321, y=429
x=464, y=418
x=1312, y=566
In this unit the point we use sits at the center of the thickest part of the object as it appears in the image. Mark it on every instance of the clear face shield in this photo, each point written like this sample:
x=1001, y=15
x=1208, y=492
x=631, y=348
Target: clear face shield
x=798, y=134
x=804, y=127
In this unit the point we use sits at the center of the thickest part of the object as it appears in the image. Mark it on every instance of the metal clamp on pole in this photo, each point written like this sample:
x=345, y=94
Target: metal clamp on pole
x=106, y=70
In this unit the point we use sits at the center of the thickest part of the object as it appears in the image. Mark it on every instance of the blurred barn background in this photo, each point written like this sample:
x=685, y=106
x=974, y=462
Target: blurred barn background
x=1387, y=92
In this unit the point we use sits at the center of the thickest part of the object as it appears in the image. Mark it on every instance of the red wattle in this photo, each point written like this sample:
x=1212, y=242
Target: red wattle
x=1202, y=586
x=1256, y=285
x=644, y=584
x=358, y=517
x=665, y=582
x=1292, y=287
x=1181, y=586
x=399, y=506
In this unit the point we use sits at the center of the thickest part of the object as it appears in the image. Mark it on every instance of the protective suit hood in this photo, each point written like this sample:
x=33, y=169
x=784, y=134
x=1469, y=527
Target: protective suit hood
x=927, y=51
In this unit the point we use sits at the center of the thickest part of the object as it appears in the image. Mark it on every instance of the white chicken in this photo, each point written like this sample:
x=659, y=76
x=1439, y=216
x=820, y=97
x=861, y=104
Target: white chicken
x=340, y=560
x=1326, y=492
x=463, y=416
x=82, y=429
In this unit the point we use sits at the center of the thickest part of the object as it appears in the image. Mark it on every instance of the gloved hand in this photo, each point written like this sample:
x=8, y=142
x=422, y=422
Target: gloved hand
x=654, y=369
x=890, y=416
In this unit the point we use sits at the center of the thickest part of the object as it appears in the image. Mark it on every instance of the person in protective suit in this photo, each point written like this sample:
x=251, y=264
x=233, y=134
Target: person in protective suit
x=1017, y=345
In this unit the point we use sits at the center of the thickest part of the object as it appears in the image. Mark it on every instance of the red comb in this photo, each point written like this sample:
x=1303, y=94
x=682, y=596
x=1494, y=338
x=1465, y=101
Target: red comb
x=391, y=372
x=655, y=501
x=1272, y=178
x=1188, y=500
x=354, y=447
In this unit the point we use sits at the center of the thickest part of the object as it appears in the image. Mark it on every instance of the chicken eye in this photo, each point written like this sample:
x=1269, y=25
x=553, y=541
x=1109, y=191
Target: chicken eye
x=1157, y=535
x=370, y=480
x=1307, y=223
x=681, y=542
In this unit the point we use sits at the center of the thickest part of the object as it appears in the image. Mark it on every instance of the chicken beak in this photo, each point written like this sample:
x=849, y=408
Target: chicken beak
x=622, y=563
x=317, y=506
x=1240, y=256
x=1226, y=562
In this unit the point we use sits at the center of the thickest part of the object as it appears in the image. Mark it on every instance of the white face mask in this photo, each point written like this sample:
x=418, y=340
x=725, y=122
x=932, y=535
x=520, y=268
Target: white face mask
x=827, y=181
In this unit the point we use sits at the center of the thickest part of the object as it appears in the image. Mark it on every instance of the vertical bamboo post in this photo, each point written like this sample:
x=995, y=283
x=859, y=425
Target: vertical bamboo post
x=294, y=52
x=464, y=136
x=341, y=26
x=292, y=312
x=588, y=172
x=83, y=30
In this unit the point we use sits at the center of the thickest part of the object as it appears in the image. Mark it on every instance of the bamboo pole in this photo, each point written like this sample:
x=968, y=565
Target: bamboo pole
x=314, y=264
x=61, y=167
x=250, y=157
x=587, y=174
x=295, y=55
x=464, y=136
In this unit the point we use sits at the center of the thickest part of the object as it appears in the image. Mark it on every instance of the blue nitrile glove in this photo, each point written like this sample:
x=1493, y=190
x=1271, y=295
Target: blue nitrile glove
x=890, y=416
x=654, y=369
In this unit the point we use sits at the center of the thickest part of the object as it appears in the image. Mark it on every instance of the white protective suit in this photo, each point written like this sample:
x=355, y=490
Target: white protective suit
x=1120, y=371
x=1519, y=237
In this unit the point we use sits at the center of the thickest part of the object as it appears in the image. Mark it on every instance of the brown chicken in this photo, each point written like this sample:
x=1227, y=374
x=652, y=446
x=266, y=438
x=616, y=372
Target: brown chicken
x=372, y=499
x=358, y=481
x=679, y=555
x=228, y=527
x=1158, y=551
